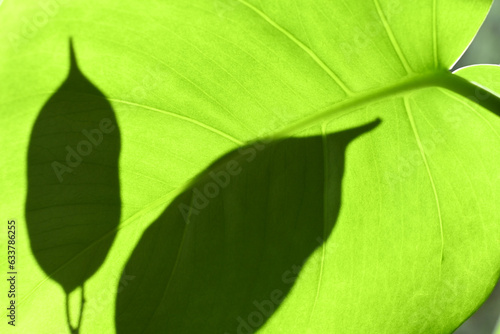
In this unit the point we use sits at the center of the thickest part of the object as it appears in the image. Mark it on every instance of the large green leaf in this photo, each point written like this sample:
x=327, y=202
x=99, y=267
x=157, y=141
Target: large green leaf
x=414, y=246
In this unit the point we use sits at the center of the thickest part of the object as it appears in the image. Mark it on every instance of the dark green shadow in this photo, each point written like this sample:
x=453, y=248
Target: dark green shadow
x=73, y=200
x=225, y=253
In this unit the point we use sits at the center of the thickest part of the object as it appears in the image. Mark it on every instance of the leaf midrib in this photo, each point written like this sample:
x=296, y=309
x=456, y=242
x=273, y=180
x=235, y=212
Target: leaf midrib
x=436, y=78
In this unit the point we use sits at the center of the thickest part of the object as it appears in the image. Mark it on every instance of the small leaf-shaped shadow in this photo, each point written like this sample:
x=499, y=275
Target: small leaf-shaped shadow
x=225, y=252
x=73, y=200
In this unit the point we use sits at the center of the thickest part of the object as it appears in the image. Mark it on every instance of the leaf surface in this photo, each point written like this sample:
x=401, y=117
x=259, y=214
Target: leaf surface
x=414, y=246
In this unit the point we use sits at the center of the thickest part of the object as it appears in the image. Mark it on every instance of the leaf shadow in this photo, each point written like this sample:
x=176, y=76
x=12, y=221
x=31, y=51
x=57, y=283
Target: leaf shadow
x=73, y=195
x=225, y=253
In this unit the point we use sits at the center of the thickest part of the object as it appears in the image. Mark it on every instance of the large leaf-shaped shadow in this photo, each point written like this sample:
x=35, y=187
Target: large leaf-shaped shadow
x=226, y=251
x=73, y=195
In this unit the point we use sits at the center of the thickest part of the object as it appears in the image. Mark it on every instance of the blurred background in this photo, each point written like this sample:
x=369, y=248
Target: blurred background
x=485, y=49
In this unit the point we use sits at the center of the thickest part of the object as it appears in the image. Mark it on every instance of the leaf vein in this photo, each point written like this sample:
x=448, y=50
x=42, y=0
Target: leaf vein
x=301, y=45
x=429, y=174
x=185, y=118
x=393, y=39
x=325, y=215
